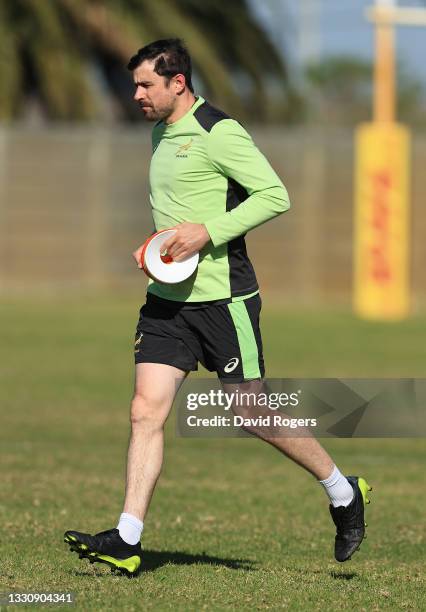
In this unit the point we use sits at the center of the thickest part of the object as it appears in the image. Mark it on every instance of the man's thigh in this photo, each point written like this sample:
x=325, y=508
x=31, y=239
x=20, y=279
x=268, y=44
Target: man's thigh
x=158, y=379
x=156, y=385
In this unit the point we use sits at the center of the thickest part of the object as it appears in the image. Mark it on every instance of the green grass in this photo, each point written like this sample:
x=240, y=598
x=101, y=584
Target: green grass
x=233, y=525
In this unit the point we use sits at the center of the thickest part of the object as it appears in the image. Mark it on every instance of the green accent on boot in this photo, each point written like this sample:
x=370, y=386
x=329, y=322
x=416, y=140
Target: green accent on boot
x=364, y=487
x=70, y=537
x=131, y=564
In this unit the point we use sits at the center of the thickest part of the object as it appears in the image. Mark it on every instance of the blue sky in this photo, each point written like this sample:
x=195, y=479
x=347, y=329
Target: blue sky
x=338, y=27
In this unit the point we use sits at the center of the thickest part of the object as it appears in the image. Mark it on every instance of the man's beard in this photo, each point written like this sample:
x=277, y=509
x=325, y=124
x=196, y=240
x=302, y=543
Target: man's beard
x=152, y=114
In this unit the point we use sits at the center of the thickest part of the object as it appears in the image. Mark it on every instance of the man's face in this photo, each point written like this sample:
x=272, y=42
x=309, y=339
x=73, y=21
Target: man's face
x=156, y=97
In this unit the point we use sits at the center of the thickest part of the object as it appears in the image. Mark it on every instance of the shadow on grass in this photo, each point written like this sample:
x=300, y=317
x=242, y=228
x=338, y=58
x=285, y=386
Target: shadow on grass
x=153, y=559
x=334, y=574
x=343, y=575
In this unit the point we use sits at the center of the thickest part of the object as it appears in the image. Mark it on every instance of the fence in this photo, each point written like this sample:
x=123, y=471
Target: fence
x=74, y=204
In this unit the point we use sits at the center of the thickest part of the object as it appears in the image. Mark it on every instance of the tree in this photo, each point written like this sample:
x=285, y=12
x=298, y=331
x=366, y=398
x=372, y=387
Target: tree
x=51, y=49
x=341, y=91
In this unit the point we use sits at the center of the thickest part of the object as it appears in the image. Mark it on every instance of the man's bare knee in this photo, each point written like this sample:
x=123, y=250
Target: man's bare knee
x=148, y=411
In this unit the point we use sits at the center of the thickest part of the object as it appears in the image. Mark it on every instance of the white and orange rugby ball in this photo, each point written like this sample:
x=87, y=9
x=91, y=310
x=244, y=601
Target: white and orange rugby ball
x=159, y=266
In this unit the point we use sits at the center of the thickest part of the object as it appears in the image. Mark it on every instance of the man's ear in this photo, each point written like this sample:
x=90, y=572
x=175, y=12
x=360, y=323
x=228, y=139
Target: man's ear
x=180, y=83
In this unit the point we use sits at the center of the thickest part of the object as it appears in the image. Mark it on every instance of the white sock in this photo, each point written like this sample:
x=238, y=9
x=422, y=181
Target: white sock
x=130, y=528
x=338, y=489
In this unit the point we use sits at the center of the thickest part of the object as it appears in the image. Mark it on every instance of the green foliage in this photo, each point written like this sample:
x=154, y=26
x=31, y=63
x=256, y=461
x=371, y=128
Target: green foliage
x=51, y=50
x=341, y=92
x=10, y=68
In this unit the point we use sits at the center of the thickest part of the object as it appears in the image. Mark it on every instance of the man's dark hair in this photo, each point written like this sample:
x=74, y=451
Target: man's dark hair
x=171, y=57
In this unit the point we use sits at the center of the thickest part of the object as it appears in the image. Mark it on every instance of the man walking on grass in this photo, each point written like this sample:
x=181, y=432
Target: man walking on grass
x=209, y=181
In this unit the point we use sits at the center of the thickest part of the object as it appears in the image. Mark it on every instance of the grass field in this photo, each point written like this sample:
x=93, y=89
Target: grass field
x=233, y=525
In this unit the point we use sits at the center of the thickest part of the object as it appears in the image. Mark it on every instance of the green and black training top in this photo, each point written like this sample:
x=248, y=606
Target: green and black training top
x=205, y=168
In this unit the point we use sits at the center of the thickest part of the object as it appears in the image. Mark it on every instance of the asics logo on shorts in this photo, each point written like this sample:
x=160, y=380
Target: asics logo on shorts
x=231, y=365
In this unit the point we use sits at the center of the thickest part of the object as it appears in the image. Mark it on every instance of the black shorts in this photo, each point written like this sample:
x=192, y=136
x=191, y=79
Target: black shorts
x=225, y=338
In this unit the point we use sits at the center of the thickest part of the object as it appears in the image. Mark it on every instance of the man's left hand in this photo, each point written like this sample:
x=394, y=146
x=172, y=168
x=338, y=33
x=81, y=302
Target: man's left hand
x=188, y=239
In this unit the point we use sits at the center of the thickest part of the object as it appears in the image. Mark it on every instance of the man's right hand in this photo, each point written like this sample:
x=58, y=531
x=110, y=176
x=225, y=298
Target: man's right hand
x=137, y=256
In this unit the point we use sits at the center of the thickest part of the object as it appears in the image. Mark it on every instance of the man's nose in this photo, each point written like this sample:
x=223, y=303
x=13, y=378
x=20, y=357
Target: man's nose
x=139, y=94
